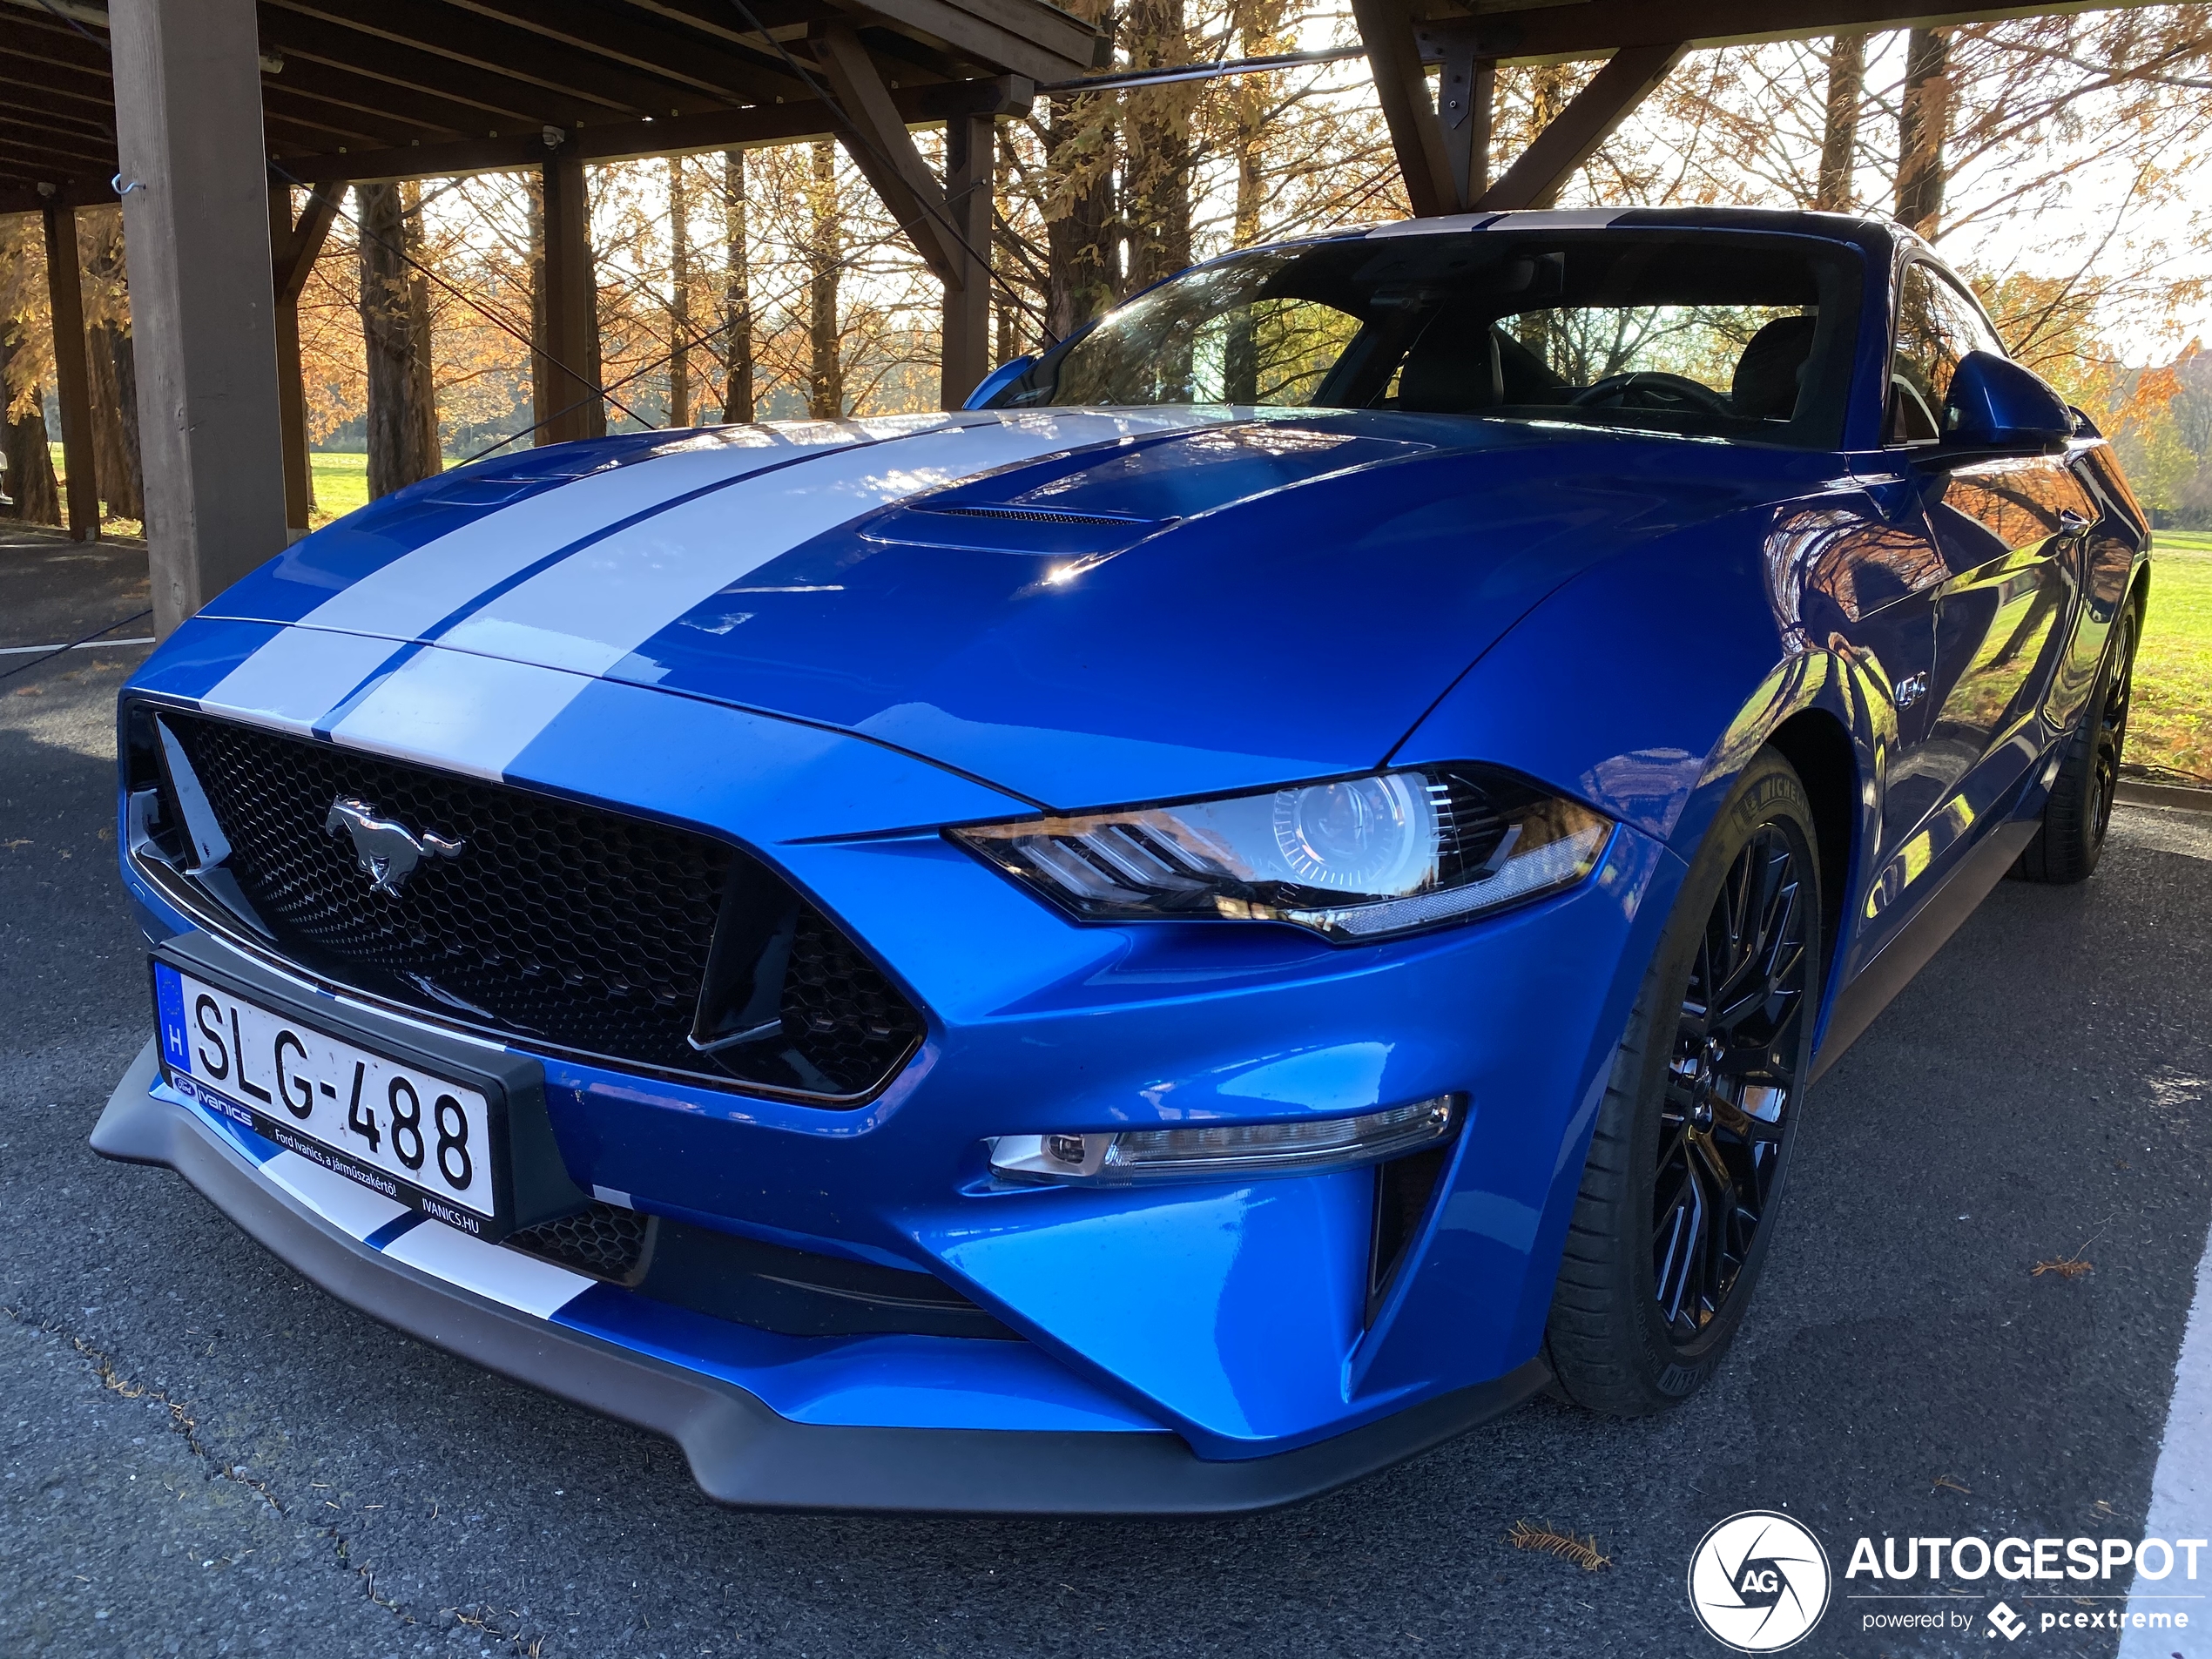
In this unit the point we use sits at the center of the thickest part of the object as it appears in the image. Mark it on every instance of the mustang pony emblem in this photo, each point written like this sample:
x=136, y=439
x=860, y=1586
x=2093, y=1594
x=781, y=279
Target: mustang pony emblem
x=386, y=852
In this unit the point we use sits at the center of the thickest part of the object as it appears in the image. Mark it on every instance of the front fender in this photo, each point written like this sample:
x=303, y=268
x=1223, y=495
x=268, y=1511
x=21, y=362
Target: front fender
x=1645, y=684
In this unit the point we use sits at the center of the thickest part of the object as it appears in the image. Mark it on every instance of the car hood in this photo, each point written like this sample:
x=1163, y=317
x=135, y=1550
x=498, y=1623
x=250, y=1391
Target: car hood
x=1080, y=607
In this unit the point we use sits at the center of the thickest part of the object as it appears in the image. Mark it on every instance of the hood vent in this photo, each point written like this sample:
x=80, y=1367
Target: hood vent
x=1042, y=532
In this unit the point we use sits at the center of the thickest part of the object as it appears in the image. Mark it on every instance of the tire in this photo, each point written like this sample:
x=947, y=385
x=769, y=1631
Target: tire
x=2071, y=838
x=1637, y=1323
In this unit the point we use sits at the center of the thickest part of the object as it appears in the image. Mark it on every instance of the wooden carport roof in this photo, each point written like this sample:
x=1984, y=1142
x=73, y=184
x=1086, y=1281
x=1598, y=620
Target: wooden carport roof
x=1443, y=142
x=372, y=89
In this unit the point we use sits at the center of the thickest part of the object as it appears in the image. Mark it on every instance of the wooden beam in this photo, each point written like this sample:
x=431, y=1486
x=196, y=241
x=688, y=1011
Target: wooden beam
x=1551, y=33
x=685, y=135
x=989, y=41
x=491, y=48
x=73, y=150
x=1401, y=87
x=66, y=294
x=1576, y=132
x=339, y=48
x=564, y=370
x=34, y=104
x=188, y=112
x=47, y=166
x=306, y=78
x=884, y=151
x=965, y=343
x=20, y=194
x=707, y=68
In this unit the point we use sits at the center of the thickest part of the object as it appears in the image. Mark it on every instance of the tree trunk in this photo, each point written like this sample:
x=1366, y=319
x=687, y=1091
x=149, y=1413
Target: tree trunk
x=1081, y=279
x=110, y=361
x=1158, y=166
x=1923, y=122
x=30, y=463
x=122, y=356
x=114, y=463
x=679, y=296
x=1839, y=139
x=737, y=295
x=1006, y=318
x=395, y=329
x=825, y=252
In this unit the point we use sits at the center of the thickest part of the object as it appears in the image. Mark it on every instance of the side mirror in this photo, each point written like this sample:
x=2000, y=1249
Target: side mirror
x=1997, y=406
x=997, y=381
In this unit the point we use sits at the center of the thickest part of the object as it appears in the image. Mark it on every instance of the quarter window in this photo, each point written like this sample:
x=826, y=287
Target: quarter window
x=1936, y=326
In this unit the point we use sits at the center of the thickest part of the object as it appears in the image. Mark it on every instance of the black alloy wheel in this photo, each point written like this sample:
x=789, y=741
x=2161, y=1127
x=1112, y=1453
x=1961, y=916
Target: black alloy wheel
x=1730, y=1086
x=1680, y=1189
x=2078, y=814
x=2110, y=733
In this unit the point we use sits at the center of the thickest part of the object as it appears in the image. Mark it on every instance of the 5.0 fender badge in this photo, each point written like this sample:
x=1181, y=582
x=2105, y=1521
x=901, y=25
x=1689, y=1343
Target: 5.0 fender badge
x=386, y=852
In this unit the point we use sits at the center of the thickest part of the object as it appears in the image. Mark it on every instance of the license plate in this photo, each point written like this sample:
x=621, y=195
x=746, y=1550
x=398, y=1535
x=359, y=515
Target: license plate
x=417, y=1137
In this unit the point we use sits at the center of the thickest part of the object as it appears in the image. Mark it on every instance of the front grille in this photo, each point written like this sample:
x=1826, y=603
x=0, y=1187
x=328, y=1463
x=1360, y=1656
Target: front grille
x=559, y=924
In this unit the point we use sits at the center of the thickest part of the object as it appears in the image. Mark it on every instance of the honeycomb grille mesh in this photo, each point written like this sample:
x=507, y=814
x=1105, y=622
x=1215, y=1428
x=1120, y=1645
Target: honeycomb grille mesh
x=602, y=1240
x=585, y=929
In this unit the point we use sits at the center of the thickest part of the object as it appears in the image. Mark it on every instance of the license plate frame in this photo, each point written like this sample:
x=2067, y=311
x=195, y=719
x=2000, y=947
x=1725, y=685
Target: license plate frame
x=528, y=1181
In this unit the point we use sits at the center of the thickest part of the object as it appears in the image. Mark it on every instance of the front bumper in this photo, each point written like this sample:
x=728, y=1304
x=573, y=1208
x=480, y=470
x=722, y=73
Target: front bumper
x=1245, y=1318
x=740, y=1451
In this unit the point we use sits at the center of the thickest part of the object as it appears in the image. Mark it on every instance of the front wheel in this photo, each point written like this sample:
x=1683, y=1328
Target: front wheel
x=1678, y=1196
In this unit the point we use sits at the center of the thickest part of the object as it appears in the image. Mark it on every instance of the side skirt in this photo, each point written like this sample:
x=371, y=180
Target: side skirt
x=1941, y=913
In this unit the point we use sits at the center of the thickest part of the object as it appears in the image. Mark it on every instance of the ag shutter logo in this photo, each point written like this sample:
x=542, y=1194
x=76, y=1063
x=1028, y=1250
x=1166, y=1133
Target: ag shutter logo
x=1758, y=1582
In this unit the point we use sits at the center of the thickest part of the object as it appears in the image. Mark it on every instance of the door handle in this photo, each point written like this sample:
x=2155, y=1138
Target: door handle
x=2072, y=523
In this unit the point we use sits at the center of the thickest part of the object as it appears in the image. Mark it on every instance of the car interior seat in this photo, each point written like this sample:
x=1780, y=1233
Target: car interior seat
x=1768, y=373
x=1453, y=368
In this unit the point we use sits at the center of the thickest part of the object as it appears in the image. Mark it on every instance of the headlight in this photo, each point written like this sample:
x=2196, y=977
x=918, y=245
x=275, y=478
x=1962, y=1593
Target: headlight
x=1354, y=860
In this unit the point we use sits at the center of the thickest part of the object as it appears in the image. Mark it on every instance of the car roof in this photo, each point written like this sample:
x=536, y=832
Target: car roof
x=1871, y=232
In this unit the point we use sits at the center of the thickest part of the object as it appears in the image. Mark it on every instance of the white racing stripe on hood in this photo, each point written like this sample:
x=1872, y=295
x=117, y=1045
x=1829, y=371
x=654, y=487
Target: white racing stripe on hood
x=417, y=591
x=458, y=712
x=298, y=677
x=596, y=607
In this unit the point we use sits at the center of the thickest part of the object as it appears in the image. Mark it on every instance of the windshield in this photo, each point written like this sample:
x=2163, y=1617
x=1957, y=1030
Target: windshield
x=1737, y=336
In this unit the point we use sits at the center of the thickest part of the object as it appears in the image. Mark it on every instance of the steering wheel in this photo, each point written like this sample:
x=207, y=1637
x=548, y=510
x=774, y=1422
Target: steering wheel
x=1652, y=389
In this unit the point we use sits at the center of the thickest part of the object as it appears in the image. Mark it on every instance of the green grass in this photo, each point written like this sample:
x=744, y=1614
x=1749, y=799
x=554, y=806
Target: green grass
x=342, y=483
x=2171, y=723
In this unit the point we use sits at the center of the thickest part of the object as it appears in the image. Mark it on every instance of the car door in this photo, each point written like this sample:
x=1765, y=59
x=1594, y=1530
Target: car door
x=2007, y=531
x=1976, y=568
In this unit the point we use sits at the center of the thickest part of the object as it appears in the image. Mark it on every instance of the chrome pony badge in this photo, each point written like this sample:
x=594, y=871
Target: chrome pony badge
x=387, y=851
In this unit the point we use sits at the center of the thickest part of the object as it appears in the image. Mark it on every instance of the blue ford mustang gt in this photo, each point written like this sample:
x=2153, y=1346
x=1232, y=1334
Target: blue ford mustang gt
x=1267, y=890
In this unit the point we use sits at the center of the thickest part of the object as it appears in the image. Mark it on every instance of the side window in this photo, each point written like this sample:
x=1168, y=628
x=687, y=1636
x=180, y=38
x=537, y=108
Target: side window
x=1935, y=326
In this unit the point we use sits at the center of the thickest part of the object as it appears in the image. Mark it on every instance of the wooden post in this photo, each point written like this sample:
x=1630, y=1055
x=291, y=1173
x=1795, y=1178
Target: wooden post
x=1401, y=87
x=293, y=249
x=196, y=214
x=966, y=346
x=565, y=369
x=64, y=289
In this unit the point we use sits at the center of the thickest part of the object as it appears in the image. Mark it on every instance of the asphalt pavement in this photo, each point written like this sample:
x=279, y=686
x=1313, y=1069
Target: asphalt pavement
x=204, y=1455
